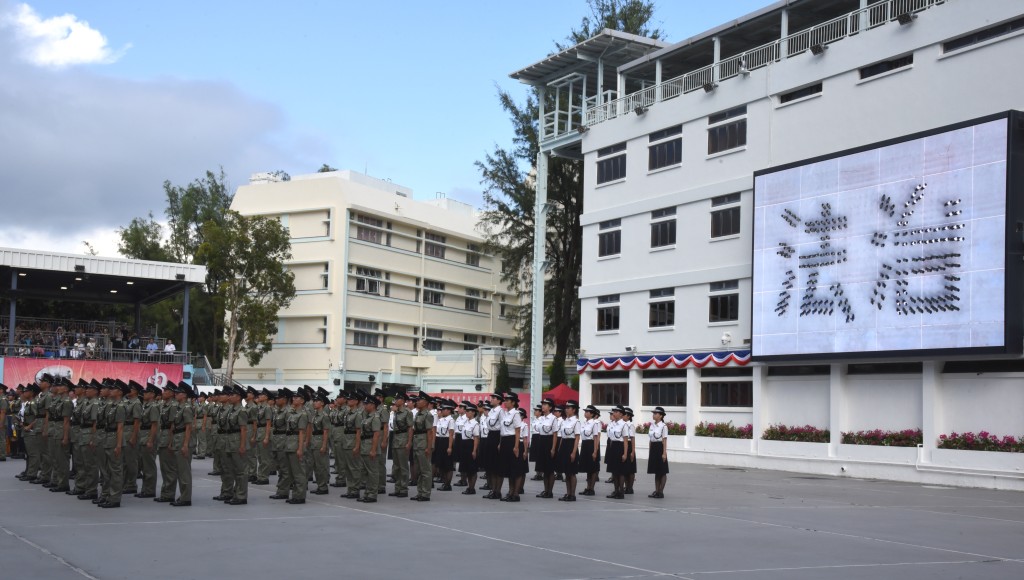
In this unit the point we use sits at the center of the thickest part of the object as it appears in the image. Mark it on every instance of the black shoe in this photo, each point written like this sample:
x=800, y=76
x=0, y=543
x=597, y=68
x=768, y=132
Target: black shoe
x=460, y=484
x=336, y=485
x=221, y=497
x=262, y=482
x=514, y=499
x=421, y=498
x=213, y=473
x=87, y=496
x=629, y=491
x=567, y=498
x=111, y=504
x=73, y=492
x=508, y=497
x=98, y=500
x=47, y=484
x=350, y=495
x=492, y=495
x=145, y=495
x=369, y=500
x=587, y=492
x=398, y=494
x=615, y=495
x=469, y=491
x=252, y=479
x=163, y=499
x=237, y=502
x=319, y=492
x=445, y=487
x=536, y=478
x=296, y=501
x=486, y=487
x=279, y=496
x=58, y=489
x=545, y=495
x=181, y=503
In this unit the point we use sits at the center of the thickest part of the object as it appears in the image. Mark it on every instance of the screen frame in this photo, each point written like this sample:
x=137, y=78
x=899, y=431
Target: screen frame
x=1013, y=314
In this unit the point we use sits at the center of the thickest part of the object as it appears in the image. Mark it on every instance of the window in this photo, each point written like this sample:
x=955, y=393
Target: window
x=727, y=394
x=609, y=243
x=365, y=339
x=726, y=285
x=983, y=35
x=665, y=394
x=662, y=308
x=371, y=231
x=724, y=308
x=886, y=66
x=433, y=292
x=325, y=276
x=435, y=245
x=470, y=341
x=666, y=148
x=433, y=339
x=800, y=93
x=472, y=300
x=473, y=255
x=368, y=280
x=724, y=133
x=610, y=394
x=608, y=316
x=663, y=231
x=611, y=168
x=726, y=221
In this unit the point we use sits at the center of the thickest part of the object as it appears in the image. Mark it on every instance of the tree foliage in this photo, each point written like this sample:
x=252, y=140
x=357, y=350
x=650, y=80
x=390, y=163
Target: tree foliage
x=325, y=168
x=143, y=239
x=504, y=379
x=508, y=175
x=247, y=253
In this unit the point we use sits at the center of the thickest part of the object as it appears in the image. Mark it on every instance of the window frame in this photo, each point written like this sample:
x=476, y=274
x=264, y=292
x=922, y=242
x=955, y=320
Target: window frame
x=737, y=116
x=663, y=224
x=661, y=308
x=665, y=148
x=723, y=205
x=611, y=159
x=435, y=290
x=886, y=66
x=609, y=230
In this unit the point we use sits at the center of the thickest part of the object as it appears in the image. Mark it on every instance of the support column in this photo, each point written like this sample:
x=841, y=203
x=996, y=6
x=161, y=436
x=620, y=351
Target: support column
x=657, y=80
x=836, y=407
x=184, y=321
x=600, y=82
x=586, y=391
x=539, y=267
x=13, y=319
x=636, y=391
x=862, y=23
x=716, y=44
x=692, y=403
x=542, y=93
x=760, y=376
x=620, y=92
x=931, y=408
x=784, y=24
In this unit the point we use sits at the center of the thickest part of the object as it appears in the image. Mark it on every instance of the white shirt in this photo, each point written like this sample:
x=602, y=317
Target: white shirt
x=484, y=430
x=443, y=426
x=470, y=429
x=510, y=421
x=434, y=413
x=493, y=419
x=630, y=430
x=658, y=431
x=391, y=421
x=617, y=430
x=591, y=427
x=546, y=424
x=169, y=347
x=460, y=425
x=533, y=426
x=570, y=428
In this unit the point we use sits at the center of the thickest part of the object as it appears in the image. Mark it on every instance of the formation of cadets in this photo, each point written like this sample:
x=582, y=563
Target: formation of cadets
x=118, y=433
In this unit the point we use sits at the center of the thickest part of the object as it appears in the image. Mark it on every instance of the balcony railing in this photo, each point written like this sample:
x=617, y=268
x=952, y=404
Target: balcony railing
x=821, y=35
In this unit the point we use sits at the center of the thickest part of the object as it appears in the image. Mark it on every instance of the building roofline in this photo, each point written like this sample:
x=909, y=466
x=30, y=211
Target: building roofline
x=126, y=267
x=601, y=41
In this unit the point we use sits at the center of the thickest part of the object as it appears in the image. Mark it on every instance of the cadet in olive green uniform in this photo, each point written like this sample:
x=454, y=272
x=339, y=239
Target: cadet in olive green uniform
x=423, y=447
x=337, y=420
x=277, y=443
x=5, y=410
x=32, y=422
x=401, y=442
x=201, y=409
x=349, y=451
x=251, y=415
x=234, y=439
x=264, y=428
x=384, y=414
x=114, y=441
x=88, y=439
x=319, y=448
x=368, y=442
x=76, y=436
x=168, y=463
x=132, y=426
x=43, y=408
x=100, y=440
x=149, y=428
x=307, y=456
x=182, y=444
x=213, y=431
x=59, y=420
x=295, y=442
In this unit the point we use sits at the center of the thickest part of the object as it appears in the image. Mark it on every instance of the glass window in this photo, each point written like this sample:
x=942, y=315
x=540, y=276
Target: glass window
x=724, y=308
x=800, y=93
x=433, y=292
x=611, y=169
x=726, y=115
x=983, y=35
x=727, y=136
x=365, y=339
x=473, y=255
x=610, y=394
x=434, y=246
x=727, y=394
x=368, y=280
x=472, y=299
x=724, y=285
x=665, y=154
x=662, y=314
x=663, y=233
x=609, y=224
x=725, y=222
x=663, y=292
x=608, y=299
x=433, y=340
x=608, y=318
x=609, y=243
x=369, y=229
x=664, y=394
x=725, y=199
x=886, y=66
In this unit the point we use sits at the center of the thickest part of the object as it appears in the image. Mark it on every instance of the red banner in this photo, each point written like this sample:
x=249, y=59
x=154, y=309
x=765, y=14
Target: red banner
x=477, y=398
x=22, y=371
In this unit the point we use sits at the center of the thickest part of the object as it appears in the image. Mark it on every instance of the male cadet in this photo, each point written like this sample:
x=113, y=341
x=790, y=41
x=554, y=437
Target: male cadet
x=33, y=426
x=100, y=440
x=279, y=434
x=213, y=430
x=148, y=437
x=182, y=444
x=116, y=414
x=307, y=457
x=5, y=409
x=88, y=470
x=133, y=424
x=252, y=414
x=168, y=463
x=234, y=440
x=401, y=442
x=337, y=420
x=201, y=409
x=423, y=447
x=264, y=427
x=349, y=451
x=59, y=420
x=384, y=414
x=43, y=408
x=294, y=444
x=368, y=444
x=76, y=434
x=319, y=448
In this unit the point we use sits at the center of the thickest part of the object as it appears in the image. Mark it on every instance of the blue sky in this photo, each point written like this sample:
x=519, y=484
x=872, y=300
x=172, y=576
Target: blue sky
x=405, y=90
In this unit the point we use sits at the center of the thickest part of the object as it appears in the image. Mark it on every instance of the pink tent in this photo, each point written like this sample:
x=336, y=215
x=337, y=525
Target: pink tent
x=561, y=394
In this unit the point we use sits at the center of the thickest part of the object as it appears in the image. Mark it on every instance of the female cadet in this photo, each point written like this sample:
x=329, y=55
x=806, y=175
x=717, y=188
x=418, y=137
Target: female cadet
x=616, y=454
x=569, y=433
x=508, y=464
x=559, y=412
x=533, y=440
x=657, y=461
x=524, y=446
x=543, y=445
x=444, y=446
x=460, y=442
x=471, y=446
x=492, y=424
x=590, y=449
x=630, y=470
x=481, y=418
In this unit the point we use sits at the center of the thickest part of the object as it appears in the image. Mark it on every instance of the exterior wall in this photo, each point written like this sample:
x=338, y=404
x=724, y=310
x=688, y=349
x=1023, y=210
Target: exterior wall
x=360, y=262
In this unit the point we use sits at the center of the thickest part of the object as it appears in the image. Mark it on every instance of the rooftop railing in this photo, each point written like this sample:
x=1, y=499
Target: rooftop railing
x=93, y=354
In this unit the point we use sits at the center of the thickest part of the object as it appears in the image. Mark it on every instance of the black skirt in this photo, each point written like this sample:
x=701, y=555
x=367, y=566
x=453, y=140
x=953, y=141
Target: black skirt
x=630, y=465
x=540, y=453
x=613, y=458
x=655, y=464
x=467, y=463
x=441, y=459
x=489, y=455
x=509, y=465
x=523, y=458
x=586, y=463
x=564, y=463
x=457, y=452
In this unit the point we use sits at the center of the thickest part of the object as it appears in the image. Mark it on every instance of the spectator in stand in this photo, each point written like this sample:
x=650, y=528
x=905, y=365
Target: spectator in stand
x=63, y=351
x=134, y=343
x=169, y=349
x=151, y=348
x=90, y=348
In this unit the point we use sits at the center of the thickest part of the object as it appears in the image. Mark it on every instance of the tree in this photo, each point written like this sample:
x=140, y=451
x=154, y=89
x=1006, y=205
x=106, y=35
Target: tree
x=189, y=208
x=502, y=381
x=325, y=168
x=247, y=253
x=508, y=174
x=143, y=240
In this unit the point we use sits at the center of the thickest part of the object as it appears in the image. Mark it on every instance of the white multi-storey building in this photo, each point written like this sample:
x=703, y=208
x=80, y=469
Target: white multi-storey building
x=671, y=138
x=391, y=291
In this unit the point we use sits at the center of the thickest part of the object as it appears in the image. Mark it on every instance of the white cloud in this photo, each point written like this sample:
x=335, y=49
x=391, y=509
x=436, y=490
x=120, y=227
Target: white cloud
x=58, y=41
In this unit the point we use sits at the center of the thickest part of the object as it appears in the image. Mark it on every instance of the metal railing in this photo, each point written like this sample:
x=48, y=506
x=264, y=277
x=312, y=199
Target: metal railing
x=69, y=325
x=873, y=16
x=93, y=354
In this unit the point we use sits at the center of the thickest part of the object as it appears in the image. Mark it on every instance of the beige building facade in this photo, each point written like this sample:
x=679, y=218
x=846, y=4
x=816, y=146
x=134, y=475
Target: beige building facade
x=388, y=287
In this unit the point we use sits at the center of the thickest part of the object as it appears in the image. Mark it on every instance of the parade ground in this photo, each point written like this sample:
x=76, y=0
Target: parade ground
x=720, y=523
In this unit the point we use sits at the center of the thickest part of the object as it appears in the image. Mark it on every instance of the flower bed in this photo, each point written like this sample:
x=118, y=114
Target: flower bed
x=904, y=438
x=725, y=430
x=673, y=428
x=805, y=434
x=983, y=441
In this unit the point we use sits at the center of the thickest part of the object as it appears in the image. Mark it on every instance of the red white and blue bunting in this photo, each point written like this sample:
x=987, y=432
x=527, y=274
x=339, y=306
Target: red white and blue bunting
x=662, y=361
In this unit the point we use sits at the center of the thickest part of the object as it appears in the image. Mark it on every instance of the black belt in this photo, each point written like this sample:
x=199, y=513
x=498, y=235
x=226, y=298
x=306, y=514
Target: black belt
x=179, y=430
x=351, y=431
x=419, y=431
x=111, y=429
x=337, y=424
x=290, y=432
x=280, y=431
x=145, y=425
x=230, y=431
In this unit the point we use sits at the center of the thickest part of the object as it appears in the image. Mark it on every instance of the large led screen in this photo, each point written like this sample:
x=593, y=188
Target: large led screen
x=888, y=249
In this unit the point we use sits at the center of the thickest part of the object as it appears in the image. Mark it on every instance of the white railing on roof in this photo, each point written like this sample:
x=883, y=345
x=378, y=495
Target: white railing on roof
x=823, y=34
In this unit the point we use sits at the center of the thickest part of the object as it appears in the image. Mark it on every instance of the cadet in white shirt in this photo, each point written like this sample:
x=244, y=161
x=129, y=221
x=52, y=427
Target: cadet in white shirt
x=471, y=437
x=444, y=444
x=537, y=476
x=617, y=454
x=569, y=433
x=508, y=464
x=590, y=448
x=657, y=461
x=627, y=416
x=543, y=446
x=460, y=443
x=491, y=428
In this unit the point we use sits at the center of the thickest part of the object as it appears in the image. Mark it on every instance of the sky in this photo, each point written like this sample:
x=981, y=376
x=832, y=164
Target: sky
x=101, y=102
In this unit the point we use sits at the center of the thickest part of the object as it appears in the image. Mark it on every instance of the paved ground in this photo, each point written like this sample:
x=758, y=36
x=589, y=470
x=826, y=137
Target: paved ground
x=720, y=523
